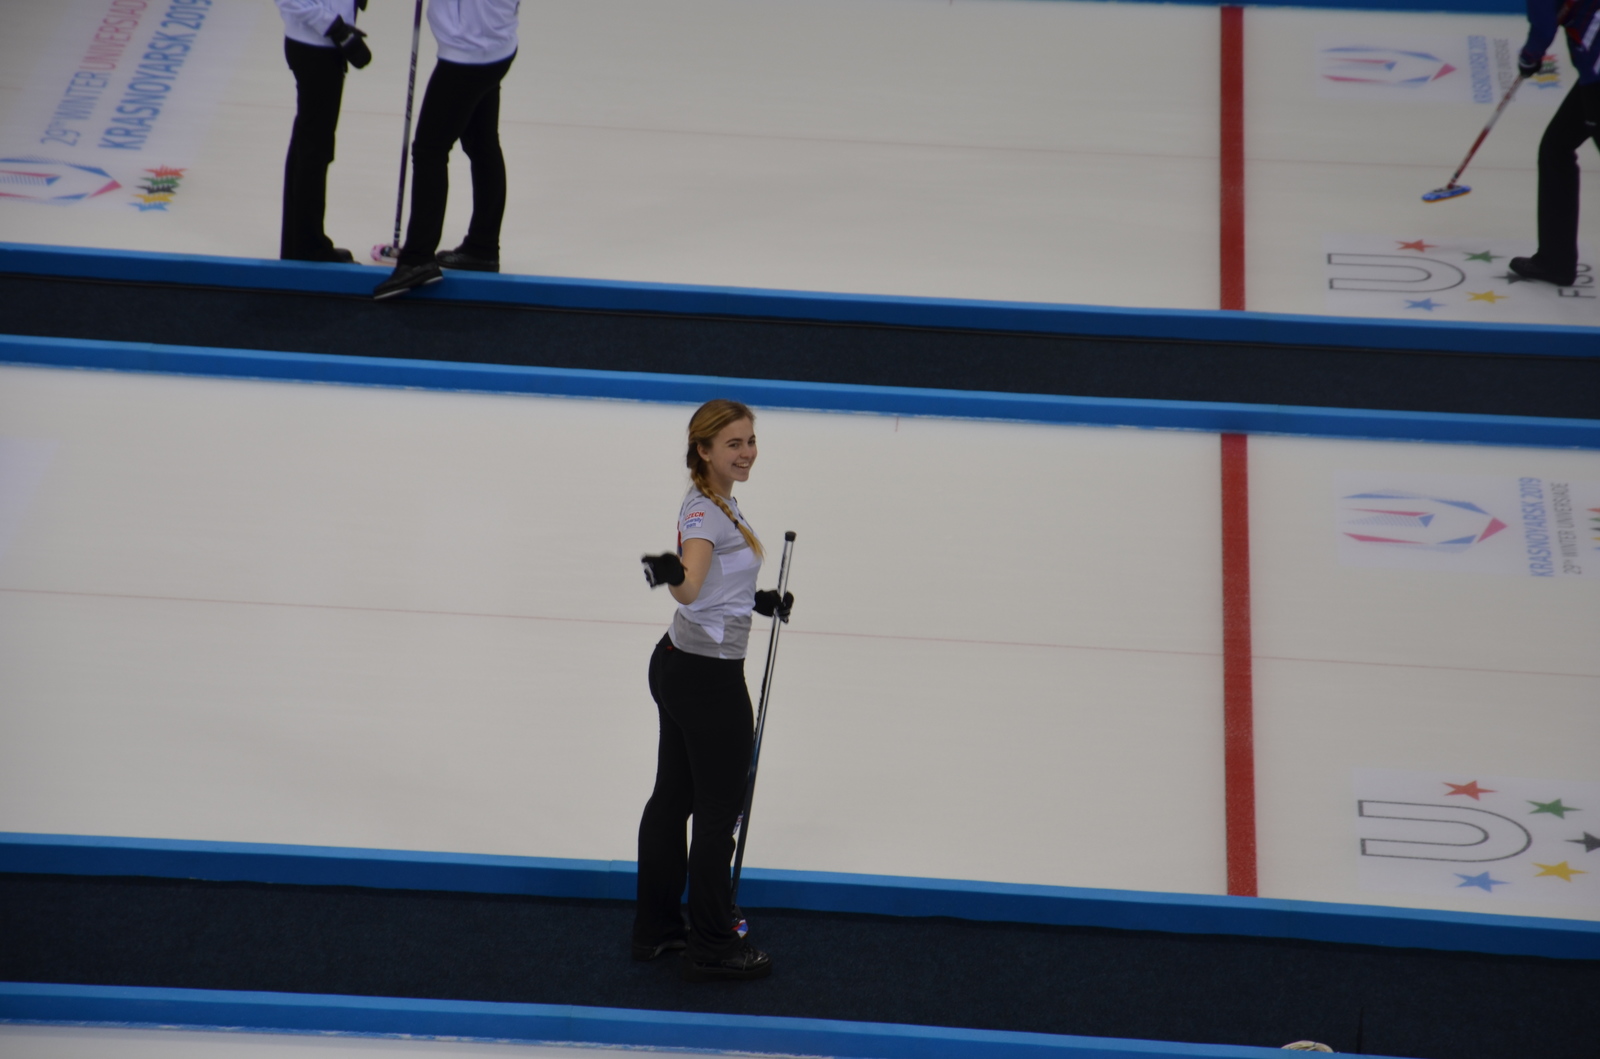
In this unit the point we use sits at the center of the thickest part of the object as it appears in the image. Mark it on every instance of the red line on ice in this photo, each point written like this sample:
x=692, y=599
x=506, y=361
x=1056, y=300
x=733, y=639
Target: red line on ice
x=1239, y=768
x=1237, y=696
x=1232, y=159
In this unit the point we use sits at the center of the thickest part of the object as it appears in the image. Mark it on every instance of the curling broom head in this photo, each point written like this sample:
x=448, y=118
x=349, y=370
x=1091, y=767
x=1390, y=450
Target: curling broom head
x=1450, y=191
x=386, y=254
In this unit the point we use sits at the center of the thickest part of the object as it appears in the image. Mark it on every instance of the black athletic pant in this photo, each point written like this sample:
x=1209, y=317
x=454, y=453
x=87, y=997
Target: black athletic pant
x=462, y=103
x=701, y=765
x=319, y=87
x=1575, y=122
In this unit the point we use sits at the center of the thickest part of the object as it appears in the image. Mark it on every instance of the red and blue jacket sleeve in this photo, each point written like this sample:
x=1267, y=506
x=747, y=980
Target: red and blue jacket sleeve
x=1543, y=21
x=1580, y=19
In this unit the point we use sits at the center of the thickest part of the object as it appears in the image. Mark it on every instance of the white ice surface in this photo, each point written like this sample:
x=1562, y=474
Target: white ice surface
x=1001, y=149
x=1319, y=167
x=1422, y=671
x=363, y=617
x=994, y=149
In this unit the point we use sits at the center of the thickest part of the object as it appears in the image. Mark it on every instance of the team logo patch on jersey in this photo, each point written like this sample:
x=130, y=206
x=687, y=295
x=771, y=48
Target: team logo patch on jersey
x=694, y=520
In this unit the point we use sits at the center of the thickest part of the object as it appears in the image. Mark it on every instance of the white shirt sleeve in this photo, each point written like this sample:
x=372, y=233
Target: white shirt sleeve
x=315, y=15
x=701, y=520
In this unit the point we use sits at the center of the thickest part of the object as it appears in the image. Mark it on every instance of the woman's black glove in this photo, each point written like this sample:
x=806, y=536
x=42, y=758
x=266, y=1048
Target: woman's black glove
x=767, y=601
x=1528, y=69
x=351, y=46
x=663, y=569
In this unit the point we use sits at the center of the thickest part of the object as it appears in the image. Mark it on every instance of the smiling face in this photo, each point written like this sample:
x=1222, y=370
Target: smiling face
x=731, y=454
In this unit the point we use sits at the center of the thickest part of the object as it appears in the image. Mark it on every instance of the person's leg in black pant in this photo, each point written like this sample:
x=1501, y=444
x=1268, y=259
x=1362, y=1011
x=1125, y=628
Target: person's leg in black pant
x=319, y=89
x=1573, y=124
x=481, y=143
x=663, y=852
x=454, y=93
x=708, y=705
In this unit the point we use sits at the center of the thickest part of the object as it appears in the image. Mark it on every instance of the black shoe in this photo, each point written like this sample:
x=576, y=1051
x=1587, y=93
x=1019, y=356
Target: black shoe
x=335, y=254
x=461, y=258
x=407, y=277
x=1533, y=268
x=643, y=953
x=749, y=962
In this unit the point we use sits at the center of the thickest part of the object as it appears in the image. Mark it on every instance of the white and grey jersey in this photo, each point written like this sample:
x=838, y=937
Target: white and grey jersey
x=307, y=21
x=717, y=623
x=475, y=32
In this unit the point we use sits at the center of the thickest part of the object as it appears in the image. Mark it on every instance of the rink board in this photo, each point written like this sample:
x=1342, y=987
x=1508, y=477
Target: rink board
x=1218, y=371
x=813, y=891
x=509, y=1023
x=1284, y=329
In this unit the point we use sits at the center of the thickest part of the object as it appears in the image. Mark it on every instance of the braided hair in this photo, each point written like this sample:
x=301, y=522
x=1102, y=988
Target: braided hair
x=704, y=426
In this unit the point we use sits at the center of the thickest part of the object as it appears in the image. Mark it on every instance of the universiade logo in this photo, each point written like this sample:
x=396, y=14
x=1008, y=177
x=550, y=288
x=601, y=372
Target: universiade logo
x=1361, y=64
x=49, y=180
x=1411, y=521
x=157, y=189
x=1530, y=839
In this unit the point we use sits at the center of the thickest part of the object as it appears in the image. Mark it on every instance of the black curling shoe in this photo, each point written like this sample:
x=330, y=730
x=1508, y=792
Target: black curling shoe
x=407, y=277
x=1533, y=268
x=336, y=255
x=460, y=258
x=643, y=953
x=749, y=962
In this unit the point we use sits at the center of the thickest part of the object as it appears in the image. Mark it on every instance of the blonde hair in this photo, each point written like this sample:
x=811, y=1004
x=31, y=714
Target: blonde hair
x=707, y=422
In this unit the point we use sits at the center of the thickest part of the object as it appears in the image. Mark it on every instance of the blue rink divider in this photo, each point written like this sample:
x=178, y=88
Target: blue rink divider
x=813, y=891
x=455, y=1020
x=551, y=292
x=817, y=396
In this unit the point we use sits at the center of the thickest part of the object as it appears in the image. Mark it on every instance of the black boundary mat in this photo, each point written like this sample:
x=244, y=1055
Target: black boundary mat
x=1095, y=982
x=289, y=322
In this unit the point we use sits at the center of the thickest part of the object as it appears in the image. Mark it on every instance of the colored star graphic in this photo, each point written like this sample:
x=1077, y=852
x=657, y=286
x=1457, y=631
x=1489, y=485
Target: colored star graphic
x=158, y=189
x=143, y=207
x=1470, y=789
x=1424, y=303
x=1485, y=256
x=1418, y=245
x=1588, y=842
x=1487, y=296
x=165, y=171
x=158, y=197
x=1554, y=808
x=1560, y=871
x=1481, y=881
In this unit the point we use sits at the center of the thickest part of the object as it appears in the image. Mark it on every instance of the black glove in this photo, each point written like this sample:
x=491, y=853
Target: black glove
x=663, y=569
x=1528, y=69
x=767, y=602
x=351, y=46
